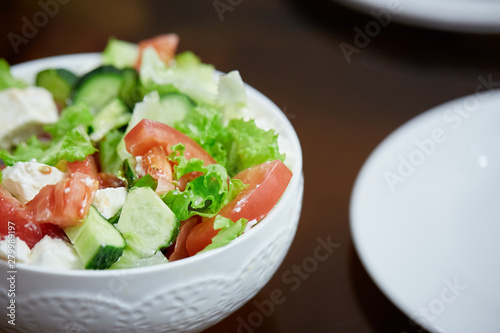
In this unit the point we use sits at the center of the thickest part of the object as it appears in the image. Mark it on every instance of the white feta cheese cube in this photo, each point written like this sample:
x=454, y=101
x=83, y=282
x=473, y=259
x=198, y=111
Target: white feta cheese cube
x=108, y=201
x=139, y=169
x=14, y=248
x=23, y=112
x=25, y=179
x=56, y=254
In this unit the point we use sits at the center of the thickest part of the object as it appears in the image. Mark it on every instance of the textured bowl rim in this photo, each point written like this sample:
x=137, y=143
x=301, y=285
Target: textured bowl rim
x=27, y=71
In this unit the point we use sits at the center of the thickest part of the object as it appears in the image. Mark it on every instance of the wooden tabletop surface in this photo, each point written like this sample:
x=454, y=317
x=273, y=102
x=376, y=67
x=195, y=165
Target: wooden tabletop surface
x=342, y=91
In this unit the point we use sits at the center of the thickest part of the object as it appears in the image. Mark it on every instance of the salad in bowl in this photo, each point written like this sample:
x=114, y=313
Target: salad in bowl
x=148, y=156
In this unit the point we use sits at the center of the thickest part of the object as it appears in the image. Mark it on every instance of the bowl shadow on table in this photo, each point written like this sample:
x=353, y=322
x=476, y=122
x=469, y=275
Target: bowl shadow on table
x=379, y=311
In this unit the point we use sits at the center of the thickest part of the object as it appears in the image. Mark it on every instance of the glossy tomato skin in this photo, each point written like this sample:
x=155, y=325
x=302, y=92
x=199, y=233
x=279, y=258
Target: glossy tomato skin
x=149, y=133
x=87, y=166
x=266, y=184
x=179, y=248
x=165, y=46
x=66, y=203
x=15, y=218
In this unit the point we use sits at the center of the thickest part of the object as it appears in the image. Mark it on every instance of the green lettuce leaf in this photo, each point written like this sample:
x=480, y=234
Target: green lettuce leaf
x=6, y=78
x=33, y=148
x=204, y=195
x=232, y=97
x=120, y=54
x=78, y=115
x=229, y=231
x=247, y=145
x=73, y=146
x=204, y=124
x=187, y=75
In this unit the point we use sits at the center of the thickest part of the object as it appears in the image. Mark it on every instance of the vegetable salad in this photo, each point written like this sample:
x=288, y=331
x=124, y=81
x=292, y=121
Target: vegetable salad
x=146, y=159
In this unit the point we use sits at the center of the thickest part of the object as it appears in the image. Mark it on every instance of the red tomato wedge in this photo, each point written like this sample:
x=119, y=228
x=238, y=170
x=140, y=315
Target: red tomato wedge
x=149, y=133
x=66, y=203
x=17, y=219
x=165, y=45
x=185, y=179
x=266, y=184
x=180, y=250
x=155, y=163
x=87, y=166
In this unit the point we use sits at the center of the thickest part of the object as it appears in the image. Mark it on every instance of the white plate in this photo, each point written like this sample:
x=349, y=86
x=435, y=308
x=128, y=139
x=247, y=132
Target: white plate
x=425, y=216
x=479, y=16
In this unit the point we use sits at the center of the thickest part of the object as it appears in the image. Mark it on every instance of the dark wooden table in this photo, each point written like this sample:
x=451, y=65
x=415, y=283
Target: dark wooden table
x=342, y=102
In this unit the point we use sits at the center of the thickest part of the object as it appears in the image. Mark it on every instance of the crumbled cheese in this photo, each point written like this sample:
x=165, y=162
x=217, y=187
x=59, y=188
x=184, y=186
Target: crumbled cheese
x=21, y=250
x=23, y=112
x=25, y=179
x=88, y=181
x=250, y=224
x=139, y=170
x=56, y=254
x=108, y=201
x=240, y=204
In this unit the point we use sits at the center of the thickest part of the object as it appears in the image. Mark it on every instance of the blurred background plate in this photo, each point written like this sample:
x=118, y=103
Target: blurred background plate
x=426, y=219
x=477, y=16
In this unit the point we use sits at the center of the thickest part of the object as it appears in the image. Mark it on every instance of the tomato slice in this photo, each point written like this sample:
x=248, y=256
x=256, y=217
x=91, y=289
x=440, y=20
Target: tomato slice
x=67, y=202
x=155, y=163
x=149, y=133
x=15, y=216
x=109, y=180
x=165, y=45
x=266, y=184
x=186, y=178
x=87, y=166
x=180, y=250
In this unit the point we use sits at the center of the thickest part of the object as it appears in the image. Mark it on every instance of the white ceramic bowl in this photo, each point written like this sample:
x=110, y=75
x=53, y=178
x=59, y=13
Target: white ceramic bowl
x=183, y=296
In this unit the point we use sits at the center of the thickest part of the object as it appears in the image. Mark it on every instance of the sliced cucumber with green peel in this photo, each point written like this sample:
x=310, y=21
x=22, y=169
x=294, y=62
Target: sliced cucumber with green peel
x=113, y=115
x=59, y=82
x=146, y=222
x=131, y=91
x=128, y=172
x=98, y=87
x=176, y=105
x=96, y=241
x=132, y=259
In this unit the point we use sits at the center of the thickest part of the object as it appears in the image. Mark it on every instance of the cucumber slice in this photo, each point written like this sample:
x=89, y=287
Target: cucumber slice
x=114, y=219
x=113, y=115
x=128, y=172
x=59, y=82
x=98, y=87
x=96, y=241
x=131, y=259
x=176, y=107
x=131, y=90
x=146, y=223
